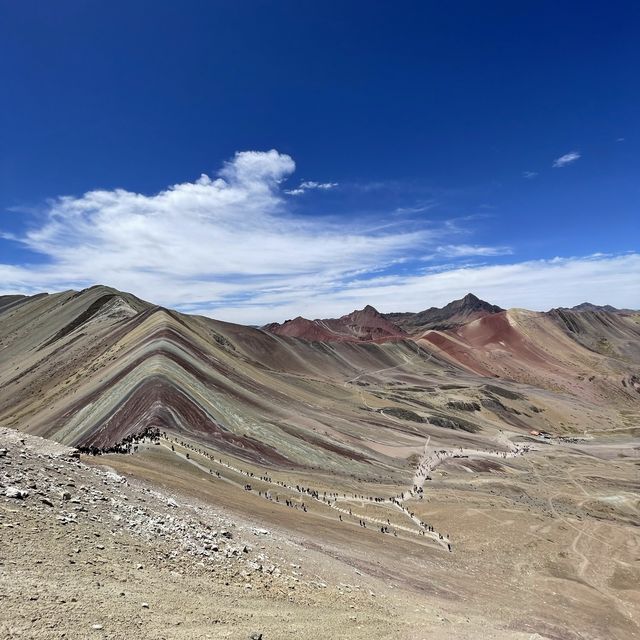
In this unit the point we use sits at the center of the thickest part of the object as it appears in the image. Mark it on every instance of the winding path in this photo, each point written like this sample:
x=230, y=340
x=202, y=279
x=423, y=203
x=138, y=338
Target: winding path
x=330, y=502
x=428, y=462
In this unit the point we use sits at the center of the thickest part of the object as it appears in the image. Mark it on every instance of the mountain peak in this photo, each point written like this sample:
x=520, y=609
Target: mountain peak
x=470, y=302
x=367, y=311
x=366, y=324
x=589, y=306
x=456, y=313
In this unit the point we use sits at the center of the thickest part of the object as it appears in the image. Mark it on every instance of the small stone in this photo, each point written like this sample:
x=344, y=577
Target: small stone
x=66, y=495
x=256, y=635
x=172, y=503
x=47, y=502
x=14, y=492
x=96, y=627
x=145, y=605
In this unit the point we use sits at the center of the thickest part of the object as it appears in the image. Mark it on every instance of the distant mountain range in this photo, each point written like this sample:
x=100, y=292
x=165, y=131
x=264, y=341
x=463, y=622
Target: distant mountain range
x=588, y=306
x=92, y=367
x=369, y=325
x=452, y=315
x=361, y=325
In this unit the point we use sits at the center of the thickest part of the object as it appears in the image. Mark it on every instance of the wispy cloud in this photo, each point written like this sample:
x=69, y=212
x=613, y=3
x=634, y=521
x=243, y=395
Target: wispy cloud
x=468, y=251
x=529, y=175
x=209, y=242
x=418, y=208
x=536, y=285
x=566, y=159
x=310, y=185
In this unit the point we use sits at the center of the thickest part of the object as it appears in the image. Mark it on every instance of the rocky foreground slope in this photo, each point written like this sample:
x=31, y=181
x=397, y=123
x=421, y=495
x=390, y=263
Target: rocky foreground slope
x=87, y=553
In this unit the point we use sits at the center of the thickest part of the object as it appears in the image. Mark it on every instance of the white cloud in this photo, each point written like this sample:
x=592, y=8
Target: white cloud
x=232, y=248
x=566, y=159
x=529, y=175
x=210, y=241
x=309, y=185
x=536, y=285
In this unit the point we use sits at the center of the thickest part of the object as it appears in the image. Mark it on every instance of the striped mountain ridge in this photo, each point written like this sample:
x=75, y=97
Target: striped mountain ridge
x=90, y=368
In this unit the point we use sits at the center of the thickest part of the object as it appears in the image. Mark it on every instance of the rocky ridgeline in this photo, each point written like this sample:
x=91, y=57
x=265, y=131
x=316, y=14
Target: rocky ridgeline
x=51, y=482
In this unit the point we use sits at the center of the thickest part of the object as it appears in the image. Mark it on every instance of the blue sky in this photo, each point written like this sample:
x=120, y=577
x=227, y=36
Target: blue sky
x=398, y=154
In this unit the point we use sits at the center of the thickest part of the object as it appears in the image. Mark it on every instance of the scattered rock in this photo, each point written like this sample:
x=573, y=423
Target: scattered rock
x=14, y=492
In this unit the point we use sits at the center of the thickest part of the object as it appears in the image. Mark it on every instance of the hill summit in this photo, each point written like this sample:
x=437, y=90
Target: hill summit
x=366, y=324
x=457, y=312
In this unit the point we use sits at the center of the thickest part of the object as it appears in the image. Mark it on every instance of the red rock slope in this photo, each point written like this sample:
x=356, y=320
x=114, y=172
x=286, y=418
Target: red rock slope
x=365, y=325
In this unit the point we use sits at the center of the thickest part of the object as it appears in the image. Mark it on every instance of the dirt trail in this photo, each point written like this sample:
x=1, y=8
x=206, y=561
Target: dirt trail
x=427, y=463
x=331, y=502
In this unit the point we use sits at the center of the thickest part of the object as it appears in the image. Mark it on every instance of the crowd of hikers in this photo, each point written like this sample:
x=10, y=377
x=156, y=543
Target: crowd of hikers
x=329, y=498
x=130, y=444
